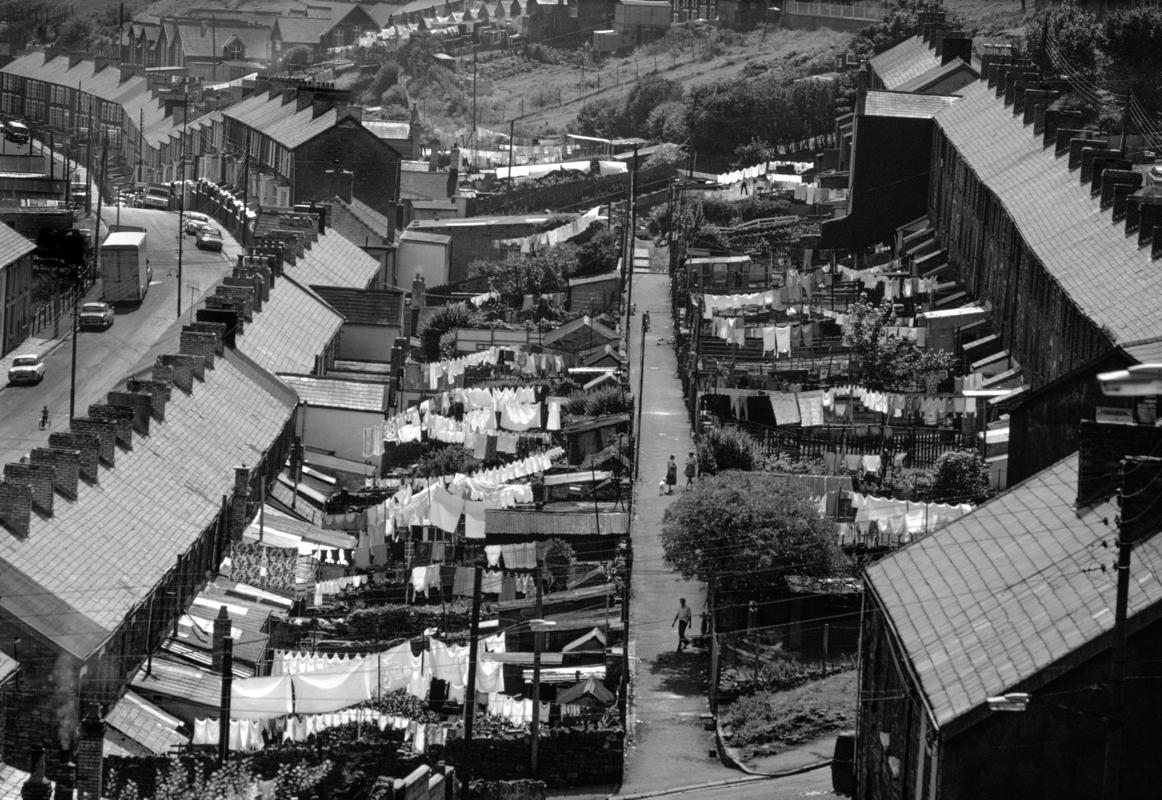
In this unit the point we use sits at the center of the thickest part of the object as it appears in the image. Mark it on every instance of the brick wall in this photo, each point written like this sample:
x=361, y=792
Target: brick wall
x=347, y=146
x=1103, y=445
x=564, y=759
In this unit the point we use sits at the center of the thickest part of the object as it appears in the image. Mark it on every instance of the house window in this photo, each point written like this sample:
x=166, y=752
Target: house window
x=234, y=51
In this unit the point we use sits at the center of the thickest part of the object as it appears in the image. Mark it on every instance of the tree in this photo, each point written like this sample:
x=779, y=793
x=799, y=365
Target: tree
x=960, y=476
x=667, y=122
x=719, y=451
x=445, y=461
x=559, y=559
x=751, y=153
x=447, y=318
x=883, y=360
x=745, y=531
x=599, y=117
x=1067, y=37
x=598, y=255
x=297, y=57
x=646, y=95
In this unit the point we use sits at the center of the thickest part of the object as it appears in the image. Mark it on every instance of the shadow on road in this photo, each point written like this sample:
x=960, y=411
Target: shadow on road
x=684, y=673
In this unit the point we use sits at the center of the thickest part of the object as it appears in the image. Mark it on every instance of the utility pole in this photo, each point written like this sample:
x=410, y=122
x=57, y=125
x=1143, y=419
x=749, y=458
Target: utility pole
x=182, y=192
x=473, y=644
x=1137, y=519
x=214, y=48
x=141, y=146
x=474, y=137
x=631, y=223
x=511, y=135
x=535, y=725
x=224, y=708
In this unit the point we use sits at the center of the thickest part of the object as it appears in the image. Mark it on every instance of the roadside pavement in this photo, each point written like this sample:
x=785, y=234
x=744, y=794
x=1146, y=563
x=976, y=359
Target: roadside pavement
x=669, y=745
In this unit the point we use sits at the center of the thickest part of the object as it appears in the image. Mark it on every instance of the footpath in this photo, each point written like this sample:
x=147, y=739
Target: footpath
x=670, y=746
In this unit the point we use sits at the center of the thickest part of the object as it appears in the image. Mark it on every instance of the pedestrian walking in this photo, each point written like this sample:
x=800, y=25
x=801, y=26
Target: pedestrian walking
x=682, y=620
x=44, y=418
x=671, y=474
x=645, y=322
x=691, y=471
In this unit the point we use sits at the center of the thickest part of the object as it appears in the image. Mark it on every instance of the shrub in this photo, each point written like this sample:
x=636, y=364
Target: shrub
x=446, y=319
x=719, y=451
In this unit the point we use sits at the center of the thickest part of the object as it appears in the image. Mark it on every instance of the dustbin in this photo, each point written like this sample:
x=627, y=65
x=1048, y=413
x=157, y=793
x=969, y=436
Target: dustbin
x=843, y=764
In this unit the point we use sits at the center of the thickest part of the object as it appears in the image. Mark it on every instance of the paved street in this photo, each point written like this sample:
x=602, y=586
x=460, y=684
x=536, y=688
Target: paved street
x=814, y=784
x=104, y=357
x=671, y=747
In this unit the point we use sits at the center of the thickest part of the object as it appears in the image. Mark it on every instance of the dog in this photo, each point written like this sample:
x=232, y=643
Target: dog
x=661, y=487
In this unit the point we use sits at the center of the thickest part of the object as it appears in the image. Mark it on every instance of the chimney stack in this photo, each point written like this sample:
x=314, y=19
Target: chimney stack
x=66, y=776
x=90, y=755
x=220, y=632
x=240, y=505
x=341, y=184
x=37, y=787
x=454, y=172
x=419, y=291
x=1102, y=447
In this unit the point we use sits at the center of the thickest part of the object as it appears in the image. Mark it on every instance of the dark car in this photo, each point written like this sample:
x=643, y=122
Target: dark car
x=209, y=239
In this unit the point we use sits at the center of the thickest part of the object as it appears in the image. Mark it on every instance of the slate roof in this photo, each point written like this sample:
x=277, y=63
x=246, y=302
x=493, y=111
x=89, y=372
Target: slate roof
x=199, y=39
x=556, y=523
x=411, y=235
x=146, y=724
x=583, y=332
x=13, y=246
x=133, y=95
x=281, y=121
x=1003, y=592
x=1065, y=228
x=390, y=129
x=294, y=327
x=334, y=261
x=301, y=30
x=937, y=74
x=115, y=541
x=909, y=59
x=365, y=306
x=900, y=104
x=342, y=394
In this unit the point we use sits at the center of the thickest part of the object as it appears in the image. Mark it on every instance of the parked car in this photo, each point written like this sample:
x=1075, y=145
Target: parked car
x=209, y=239
x=27, y=368
x=16, y=132
x=96, y=315
x=196, y=221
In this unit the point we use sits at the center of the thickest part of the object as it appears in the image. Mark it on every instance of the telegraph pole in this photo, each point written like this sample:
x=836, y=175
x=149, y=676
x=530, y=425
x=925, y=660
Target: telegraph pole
x=182, y=192
x=535, y=725
x=224, y=709
x=470, y=693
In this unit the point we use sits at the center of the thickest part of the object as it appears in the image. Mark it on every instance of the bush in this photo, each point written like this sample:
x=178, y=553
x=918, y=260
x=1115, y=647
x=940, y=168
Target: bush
x=446, y=319
x=610, y=400
x=719, y=451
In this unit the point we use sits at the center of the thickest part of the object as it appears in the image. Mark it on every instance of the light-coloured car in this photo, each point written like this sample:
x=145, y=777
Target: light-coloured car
x=209, y=239
x=96, y=315
x=26, y=368
x=195, y=221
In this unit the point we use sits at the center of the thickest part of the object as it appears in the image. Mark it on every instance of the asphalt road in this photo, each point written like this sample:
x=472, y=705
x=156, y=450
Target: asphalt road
x=814, y=784
x=104, y=358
